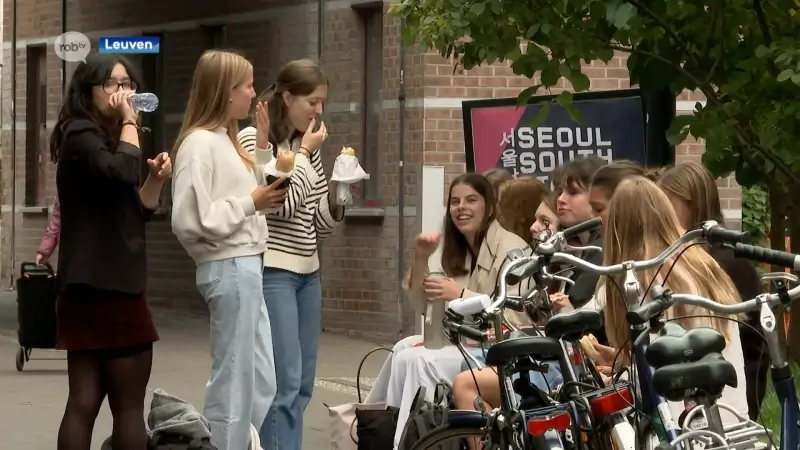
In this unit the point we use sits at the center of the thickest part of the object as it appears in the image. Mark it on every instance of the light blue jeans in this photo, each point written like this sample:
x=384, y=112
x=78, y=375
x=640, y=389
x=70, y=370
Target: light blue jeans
x=242, y=384
x=294, y=302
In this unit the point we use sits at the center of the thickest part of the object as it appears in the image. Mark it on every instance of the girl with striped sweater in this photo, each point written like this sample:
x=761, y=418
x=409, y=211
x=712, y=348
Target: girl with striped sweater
x=286, y=116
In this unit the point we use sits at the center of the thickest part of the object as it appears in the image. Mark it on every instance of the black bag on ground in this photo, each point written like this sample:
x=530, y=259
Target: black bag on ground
x=425, y=417
x=36, y=306
x=375, y=428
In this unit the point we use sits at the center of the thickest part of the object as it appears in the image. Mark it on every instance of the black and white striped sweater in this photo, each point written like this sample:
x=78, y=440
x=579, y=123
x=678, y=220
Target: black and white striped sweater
x=305, y=218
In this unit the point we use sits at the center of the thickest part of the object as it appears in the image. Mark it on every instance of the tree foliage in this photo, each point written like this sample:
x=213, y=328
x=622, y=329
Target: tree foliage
x=743, y=55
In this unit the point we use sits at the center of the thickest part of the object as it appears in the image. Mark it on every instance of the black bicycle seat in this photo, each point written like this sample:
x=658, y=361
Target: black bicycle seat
x=689, y=346
x=710, y=374
x=572, y=326
x=537, y=347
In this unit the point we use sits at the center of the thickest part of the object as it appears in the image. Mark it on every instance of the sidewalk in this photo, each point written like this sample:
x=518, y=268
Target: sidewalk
x=34, y=399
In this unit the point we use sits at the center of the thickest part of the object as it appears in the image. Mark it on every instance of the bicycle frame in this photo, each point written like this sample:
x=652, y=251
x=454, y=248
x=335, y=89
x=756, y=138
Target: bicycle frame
x=782, y=378
x=652, y=403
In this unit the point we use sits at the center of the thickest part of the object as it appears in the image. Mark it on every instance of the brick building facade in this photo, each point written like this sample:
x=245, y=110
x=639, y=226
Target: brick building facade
x=360, y=51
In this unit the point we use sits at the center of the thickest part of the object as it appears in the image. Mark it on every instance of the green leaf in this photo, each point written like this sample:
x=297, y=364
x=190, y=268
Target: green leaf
x=679, y=128
x=619, y=14
x=541, y=116
x=796, y=78
x=478, y=8
x=526, y=94
x=580, y=82
x=785, y=75
x=565, y=99
x=762, y=51
x=550, y=75
x=533, y=29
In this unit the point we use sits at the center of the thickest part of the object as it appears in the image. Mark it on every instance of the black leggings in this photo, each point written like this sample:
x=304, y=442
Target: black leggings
x=120, y=374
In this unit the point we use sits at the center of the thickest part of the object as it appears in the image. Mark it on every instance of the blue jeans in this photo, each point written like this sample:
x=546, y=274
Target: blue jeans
x=294, y=302
x=242, y=383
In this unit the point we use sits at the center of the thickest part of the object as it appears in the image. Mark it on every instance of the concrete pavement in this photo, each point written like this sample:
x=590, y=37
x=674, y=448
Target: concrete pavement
x=34, y=399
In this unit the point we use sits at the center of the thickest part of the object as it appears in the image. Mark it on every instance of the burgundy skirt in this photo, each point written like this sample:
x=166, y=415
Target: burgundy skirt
x=96, y=319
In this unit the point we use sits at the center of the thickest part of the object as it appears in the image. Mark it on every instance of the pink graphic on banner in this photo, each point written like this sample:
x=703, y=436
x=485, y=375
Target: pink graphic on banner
x=488, y=126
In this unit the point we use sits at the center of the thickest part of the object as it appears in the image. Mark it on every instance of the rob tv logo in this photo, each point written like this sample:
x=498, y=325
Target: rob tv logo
x=130, y=44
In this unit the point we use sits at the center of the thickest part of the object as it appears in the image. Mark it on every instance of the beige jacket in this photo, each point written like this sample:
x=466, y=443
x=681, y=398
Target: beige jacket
x=483, y=280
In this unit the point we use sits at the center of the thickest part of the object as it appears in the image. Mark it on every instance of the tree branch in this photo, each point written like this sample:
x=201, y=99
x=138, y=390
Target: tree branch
x=677, y=40
x=762, y=22
x=676, y=64
x=712, y=98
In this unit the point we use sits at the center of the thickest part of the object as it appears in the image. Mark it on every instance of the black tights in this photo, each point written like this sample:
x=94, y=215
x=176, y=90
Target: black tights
x=122, y=375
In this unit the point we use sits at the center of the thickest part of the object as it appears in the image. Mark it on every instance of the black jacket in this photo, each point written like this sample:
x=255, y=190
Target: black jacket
x=102, y=241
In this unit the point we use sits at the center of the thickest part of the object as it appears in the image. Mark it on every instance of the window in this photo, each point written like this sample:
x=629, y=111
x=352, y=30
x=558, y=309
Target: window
x=214, y=36
x=36, y=154
x=154, y=141
x=372, y=19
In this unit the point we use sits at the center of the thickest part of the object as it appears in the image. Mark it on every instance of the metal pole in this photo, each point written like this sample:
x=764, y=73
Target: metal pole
x=401, y=185
x=13, y=140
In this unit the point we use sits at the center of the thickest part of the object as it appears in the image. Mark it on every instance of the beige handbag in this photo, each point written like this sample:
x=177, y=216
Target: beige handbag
x=342, y=418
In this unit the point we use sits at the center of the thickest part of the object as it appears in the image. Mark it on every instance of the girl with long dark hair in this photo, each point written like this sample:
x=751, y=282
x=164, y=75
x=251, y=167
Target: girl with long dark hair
x=104, y=322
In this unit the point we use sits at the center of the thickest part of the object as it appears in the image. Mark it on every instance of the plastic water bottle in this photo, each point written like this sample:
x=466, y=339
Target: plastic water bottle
x=144, y=102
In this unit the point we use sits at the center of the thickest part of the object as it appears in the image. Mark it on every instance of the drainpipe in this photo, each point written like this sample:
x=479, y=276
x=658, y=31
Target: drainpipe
x=401, y=185
x=320, y=29
x=63, y=62
x=13, y=141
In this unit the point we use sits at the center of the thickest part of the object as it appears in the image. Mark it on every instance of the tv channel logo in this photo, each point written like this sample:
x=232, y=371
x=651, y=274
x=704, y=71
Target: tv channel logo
x=130, y=44
x=72, y=46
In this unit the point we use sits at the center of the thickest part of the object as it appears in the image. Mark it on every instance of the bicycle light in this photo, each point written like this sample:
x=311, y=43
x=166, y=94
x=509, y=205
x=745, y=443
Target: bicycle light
x=560, y=421
x=611, y=400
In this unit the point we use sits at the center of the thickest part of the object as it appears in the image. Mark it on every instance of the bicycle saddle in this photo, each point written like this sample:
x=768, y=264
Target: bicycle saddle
x=537, y=347
x=710, y=374
x=572, y=326
x=680, y=346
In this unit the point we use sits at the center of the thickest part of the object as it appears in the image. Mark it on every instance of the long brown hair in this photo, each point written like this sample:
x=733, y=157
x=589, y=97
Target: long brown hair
x=642, y=224
x=300, y=77
x=692, y=184
x=217, y=74
x=455, y=247
x=517, y=206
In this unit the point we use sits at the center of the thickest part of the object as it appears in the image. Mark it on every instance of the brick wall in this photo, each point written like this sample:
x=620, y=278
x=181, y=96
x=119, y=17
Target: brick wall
x=359, y=262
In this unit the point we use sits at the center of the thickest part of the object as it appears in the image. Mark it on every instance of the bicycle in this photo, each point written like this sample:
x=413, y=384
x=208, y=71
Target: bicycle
x=542, y=423
x=651, y=400
x=781, y=375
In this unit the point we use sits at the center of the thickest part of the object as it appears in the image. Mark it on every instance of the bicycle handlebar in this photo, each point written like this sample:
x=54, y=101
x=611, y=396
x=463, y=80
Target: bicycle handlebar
x=664, y=300
x=766, y=255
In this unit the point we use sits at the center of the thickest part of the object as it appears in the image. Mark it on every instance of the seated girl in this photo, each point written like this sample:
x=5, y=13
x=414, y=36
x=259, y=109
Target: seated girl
x=473, y=248
x=520, y=200
x=641, y=223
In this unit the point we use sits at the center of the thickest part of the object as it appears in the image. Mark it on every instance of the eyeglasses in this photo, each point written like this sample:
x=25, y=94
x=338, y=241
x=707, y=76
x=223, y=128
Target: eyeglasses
x=111, y=86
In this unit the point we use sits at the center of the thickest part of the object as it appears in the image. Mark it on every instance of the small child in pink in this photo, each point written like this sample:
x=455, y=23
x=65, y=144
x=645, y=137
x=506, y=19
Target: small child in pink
x=50, y=239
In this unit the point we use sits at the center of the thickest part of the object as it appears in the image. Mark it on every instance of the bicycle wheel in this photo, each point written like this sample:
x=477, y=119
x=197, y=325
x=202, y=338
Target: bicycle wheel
x=448, y=434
